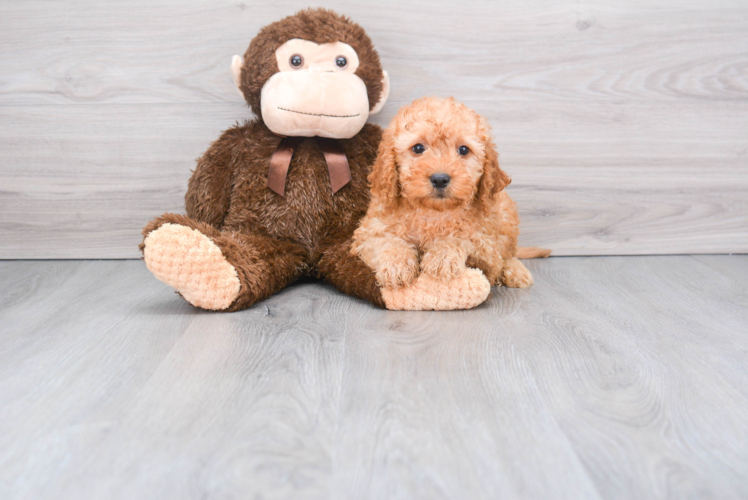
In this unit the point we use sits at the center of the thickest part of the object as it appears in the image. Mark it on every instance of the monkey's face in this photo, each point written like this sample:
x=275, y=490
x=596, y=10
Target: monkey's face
x=316, y=91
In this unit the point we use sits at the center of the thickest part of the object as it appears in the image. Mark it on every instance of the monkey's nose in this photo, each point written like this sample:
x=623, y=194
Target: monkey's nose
x=440, y=181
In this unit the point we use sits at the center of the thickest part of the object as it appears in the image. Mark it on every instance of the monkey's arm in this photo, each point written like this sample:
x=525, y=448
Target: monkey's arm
x=209, y=190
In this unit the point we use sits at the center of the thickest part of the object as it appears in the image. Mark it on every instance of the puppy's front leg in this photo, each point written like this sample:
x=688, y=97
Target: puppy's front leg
x=445, y=258
x=394, y=260
x=397, y=264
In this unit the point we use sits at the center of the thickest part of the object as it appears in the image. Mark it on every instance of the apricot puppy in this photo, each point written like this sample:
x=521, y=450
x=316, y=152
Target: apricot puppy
x=438, y=205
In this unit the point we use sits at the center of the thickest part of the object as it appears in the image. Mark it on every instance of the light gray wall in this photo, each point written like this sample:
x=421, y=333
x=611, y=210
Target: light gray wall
x=625, y=128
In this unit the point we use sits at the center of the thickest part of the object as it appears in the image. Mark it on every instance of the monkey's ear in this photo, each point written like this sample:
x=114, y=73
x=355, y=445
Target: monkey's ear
x=385, y=94
x=236, y=71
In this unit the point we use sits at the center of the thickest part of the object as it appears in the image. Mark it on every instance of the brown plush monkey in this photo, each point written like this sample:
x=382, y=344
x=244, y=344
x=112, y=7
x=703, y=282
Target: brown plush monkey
x=279, y=196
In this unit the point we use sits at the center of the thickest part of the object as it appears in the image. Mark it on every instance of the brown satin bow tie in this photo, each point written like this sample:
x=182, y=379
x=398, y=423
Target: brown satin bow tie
x=337, y=163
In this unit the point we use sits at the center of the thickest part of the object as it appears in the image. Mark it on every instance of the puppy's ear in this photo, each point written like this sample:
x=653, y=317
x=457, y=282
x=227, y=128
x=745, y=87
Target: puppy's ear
x=383, y=177
x=494, y=179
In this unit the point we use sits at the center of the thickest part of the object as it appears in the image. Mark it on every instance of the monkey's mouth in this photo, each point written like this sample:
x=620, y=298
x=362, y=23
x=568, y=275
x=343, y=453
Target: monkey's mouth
x=319, y=114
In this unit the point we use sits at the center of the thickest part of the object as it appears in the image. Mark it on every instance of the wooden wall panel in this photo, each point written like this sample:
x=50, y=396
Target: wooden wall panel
x=625, y=128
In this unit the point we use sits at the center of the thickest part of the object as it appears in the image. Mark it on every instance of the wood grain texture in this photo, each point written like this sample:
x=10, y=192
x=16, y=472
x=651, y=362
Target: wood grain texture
x=170, y=52
x=625, y=128
x=611, y=377
x=83, y=185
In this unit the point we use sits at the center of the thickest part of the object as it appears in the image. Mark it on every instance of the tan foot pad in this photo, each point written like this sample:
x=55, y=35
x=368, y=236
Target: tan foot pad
x=428, y=294
x=188, y=261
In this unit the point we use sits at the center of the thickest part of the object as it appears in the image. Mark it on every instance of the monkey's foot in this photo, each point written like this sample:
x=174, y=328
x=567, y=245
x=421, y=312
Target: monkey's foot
x=188, y=261
x=468, y=290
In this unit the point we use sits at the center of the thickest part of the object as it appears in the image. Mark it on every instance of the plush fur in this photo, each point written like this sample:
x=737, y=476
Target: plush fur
x=412, y=228
x=269, y=240
x=316, y=25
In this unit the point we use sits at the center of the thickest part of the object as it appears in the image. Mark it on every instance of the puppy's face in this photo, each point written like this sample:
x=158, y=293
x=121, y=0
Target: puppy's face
x=440, y=153
x=437, y=153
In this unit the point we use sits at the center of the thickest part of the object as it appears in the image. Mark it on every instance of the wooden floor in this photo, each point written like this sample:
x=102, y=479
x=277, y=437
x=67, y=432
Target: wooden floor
x=612, y=377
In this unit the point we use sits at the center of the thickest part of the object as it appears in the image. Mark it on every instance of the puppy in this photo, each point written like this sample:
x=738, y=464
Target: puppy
x=438, y=204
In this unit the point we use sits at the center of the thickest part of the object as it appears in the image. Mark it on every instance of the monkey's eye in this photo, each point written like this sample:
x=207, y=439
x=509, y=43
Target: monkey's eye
x=463, y=150
x=341, y=62
x=296, y=61
x=418, y=149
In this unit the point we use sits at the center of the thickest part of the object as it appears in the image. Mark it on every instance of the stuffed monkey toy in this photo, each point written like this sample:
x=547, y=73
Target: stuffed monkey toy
x=280, y=196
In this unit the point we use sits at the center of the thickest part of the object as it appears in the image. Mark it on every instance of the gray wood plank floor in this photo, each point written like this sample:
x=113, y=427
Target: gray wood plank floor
x=623, y=125
x=612, y=377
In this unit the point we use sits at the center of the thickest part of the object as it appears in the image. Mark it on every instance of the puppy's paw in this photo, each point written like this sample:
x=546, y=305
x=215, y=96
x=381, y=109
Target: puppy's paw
x=515, y=274
x=443, y=265
x=396, y=268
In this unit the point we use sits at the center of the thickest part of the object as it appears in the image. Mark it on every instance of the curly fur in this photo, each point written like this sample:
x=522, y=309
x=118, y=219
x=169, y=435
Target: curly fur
x=413, y=228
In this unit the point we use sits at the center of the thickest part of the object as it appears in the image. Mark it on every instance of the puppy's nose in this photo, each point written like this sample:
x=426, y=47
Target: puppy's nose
x=440, y=181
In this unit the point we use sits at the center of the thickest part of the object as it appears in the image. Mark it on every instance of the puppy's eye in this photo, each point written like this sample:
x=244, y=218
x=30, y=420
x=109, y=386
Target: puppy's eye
x=296, y=61
x=418, y=149
x=463, y=150
x=341, y=62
